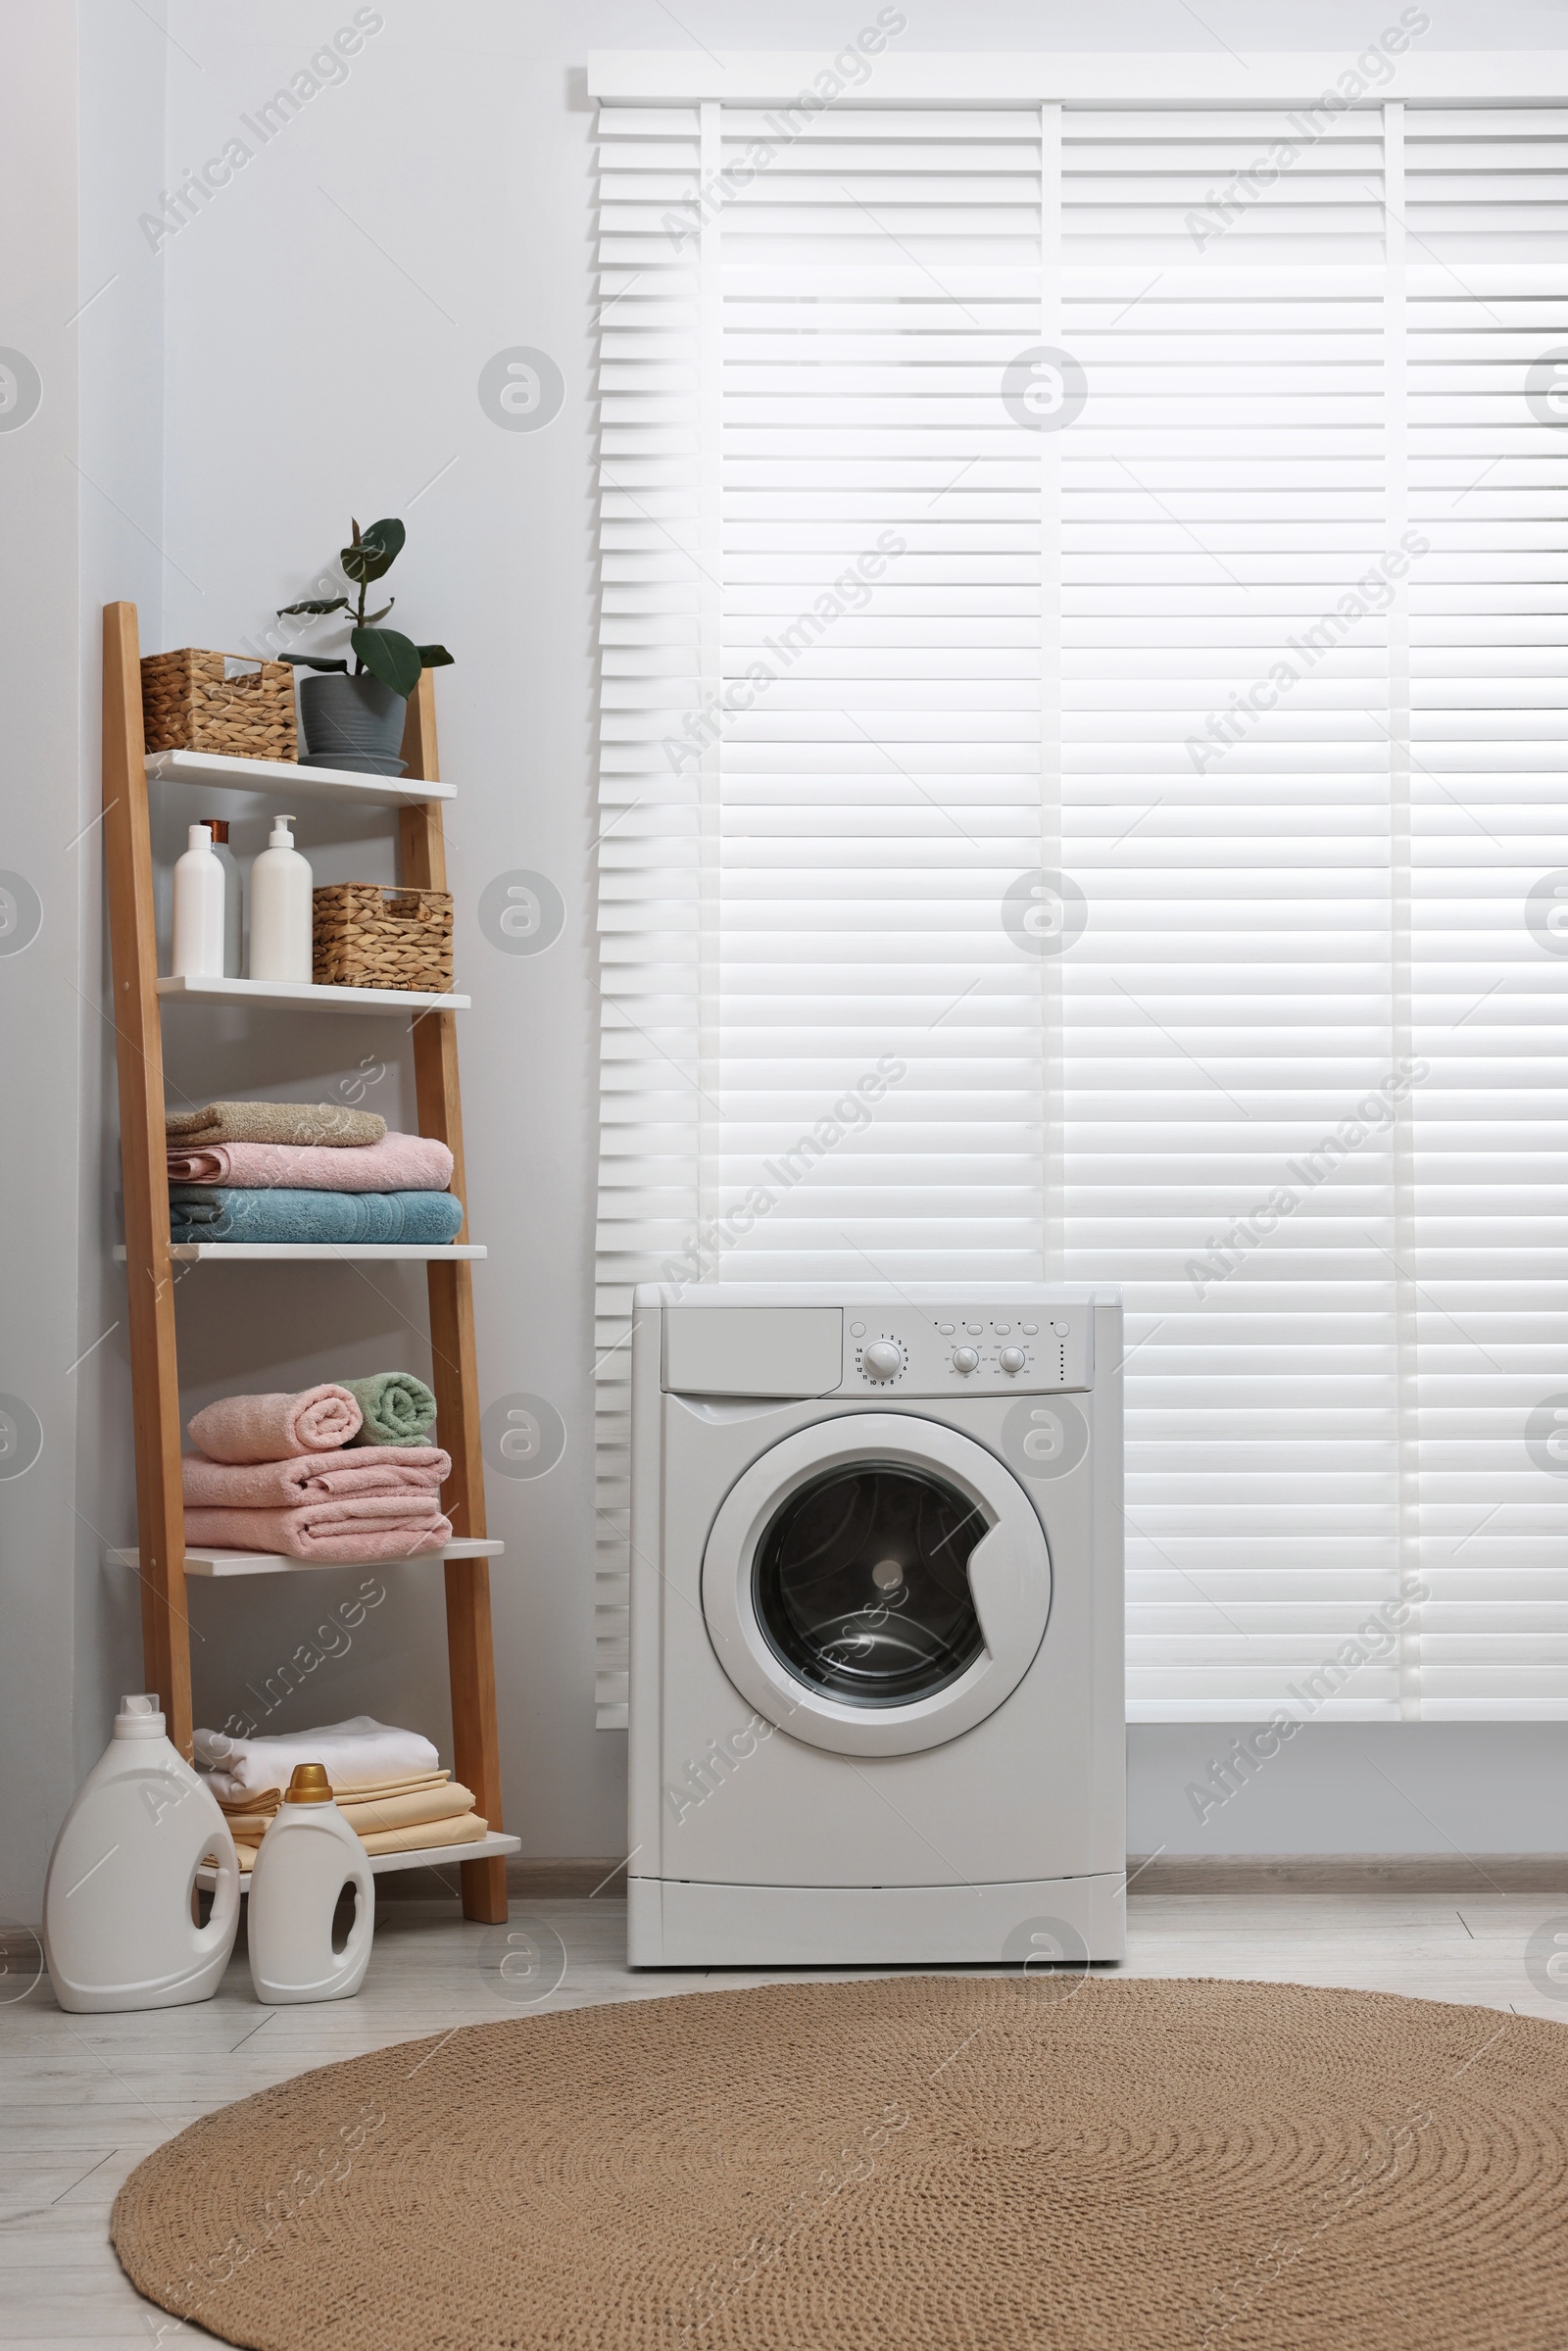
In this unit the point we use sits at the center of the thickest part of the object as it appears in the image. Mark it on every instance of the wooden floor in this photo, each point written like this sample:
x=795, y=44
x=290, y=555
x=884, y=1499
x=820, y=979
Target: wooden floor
x=83, y=2099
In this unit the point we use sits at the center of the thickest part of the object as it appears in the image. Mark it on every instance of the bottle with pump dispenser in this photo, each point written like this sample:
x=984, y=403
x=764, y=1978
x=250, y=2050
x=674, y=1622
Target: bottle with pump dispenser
x=198, y=910
x=304, y=1862
x=118, y=1927
x=233, y=897
x=280, y=909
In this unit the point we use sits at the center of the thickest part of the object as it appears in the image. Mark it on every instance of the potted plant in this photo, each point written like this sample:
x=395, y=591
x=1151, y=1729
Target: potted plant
x=354, y=719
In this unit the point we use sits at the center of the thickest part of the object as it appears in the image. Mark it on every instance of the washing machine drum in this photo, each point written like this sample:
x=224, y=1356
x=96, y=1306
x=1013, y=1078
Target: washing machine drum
x=876, y=1584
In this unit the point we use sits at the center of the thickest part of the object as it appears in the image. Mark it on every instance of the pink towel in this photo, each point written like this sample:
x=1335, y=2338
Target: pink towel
x=276, y=1428
x=381, y=1469
x=366, y=1526
x=397, y=1163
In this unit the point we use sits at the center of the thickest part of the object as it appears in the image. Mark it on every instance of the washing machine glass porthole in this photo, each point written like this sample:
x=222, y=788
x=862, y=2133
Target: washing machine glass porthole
x=861, y=1583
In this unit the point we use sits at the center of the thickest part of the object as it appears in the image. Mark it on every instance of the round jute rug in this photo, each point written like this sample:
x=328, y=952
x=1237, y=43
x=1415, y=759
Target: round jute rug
x=916, y=2161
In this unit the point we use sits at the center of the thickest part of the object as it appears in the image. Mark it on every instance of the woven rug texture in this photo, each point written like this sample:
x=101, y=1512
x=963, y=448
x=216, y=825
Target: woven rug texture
x=914, y=2163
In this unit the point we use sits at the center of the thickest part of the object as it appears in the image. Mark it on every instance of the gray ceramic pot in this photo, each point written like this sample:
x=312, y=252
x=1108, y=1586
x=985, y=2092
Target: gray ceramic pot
x=352, y=723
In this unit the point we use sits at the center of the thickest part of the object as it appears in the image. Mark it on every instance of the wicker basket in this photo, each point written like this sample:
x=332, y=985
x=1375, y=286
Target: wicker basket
x=218, y=701
x=371, y=936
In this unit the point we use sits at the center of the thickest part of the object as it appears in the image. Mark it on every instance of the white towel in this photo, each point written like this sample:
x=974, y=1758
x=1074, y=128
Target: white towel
x=357, y=1754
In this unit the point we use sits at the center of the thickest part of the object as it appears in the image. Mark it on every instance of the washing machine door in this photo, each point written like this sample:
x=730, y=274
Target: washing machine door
x=876, y=1585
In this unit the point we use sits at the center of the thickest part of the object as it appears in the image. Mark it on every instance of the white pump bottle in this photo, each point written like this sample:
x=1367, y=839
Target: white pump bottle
x=280, y=909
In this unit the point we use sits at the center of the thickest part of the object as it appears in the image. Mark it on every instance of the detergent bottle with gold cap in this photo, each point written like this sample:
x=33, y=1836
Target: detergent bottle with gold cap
x=306, y=1860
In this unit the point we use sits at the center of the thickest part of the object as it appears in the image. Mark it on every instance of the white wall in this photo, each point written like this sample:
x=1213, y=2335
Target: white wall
x=318, y=332
x=39, y=950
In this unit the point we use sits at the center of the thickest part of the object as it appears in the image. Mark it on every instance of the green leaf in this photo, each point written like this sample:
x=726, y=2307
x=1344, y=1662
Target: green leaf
x=434, y=657
x=308, y=660
x=373, y=551
x=393, y=659
x=371, y=619
x=316, y=604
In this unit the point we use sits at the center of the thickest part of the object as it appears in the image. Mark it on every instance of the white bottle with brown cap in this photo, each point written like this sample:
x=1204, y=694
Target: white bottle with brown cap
x=307, y=1857
x=119, y=1914
x=233, y=898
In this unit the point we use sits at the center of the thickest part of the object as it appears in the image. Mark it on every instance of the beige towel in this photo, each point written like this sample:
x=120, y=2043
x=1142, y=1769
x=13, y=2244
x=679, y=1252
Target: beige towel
x=275, y=1122
x=447, y=1801
x=266, y=1801
x=466, y=1831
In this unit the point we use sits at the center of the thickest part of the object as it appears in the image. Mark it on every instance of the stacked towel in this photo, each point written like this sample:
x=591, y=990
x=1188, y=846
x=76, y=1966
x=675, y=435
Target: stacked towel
x=285, y=1173
x=405, y=1817
x=218, y=1213
x=358, y=1753
x=347, y=1531
x=299, y=1123
x=397, y=1163
x=394, y=1813
x=273, y=1475
x=370, y=1469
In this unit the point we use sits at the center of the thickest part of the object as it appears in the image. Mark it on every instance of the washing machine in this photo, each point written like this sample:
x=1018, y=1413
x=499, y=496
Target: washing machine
x=876, y=1694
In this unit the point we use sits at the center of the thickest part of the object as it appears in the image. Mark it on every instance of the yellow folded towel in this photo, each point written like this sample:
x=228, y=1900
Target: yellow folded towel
x=462, y=1831
x=442, y=1799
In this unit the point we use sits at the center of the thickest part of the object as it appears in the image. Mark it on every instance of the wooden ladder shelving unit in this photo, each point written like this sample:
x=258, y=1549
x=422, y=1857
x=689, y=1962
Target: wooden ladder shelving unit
x=148, y=1262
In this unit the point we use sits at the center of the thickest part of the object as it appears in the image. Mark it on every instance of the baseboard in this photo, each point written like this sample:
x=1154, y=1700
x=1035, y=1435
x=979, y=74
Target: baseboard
x=1346, y=1873
x=538, y=1881
x=603, y=1875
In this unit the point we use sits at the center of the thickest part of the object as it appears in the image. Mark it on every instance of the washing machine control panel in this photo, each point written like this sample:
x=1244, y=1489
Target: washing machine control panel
x=957, y=1351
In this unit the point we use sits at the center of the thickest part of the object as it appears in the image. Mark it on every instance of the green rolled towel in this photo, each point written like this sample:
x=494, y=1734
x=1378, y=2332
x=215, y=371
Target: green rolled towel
x=397, y=1408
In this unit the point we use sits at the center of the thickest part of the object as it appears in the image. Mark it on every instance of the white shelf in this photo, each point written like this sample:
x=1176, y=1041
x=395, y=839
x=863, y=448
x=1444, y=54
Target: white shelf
x=299, y=995
x=204, y=1252
x=271, y=776
x=274, y=1563
x=483, y=1849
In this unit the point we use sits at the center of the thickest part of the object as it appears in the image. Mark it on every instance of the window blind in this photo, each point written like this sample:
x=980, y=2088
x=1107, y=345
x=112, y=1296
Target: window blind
x=1080, y=727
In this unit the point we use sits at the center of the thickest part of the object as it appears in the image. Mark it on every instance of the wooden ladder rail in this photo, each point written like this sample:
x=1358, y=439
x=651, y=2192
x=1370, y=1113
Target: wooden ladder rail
x=144, y=1174
x=453, y=1372
x=150, y=1277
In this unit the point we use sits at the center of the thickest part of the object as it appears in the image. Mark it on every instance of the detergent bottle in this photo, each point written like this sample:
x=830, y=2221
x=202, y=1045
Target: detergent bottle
x=118, y=1911
x=306, y=1859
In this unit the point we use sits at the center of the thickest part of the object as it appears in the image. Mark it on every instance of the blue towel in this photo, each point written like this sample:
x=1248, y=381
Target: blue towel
x=232, y=1213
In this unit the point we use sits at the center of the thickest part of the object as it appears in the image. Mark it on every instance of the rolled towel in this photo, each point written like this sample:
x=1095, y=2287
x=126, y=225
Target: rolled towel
x=222, y=1213
x=348, y=1531
x=359, y=1752
x=327, y=1124
x=383, y=1469
x=276, y=1428
x=397, y=1409
x=397, y=1163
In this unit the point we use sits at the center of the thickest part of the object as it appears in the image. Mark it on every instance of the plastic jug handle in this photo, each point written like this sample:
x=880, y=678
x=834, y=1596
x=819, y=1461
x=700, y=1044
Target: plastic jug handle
x=220, y=1926
x=364, y=1927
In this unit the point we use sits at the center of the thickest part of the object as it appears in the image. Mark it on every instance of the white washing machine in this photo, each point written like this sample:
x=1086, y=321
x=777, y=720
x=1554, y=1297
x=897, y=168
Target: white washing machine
x=876, y=1626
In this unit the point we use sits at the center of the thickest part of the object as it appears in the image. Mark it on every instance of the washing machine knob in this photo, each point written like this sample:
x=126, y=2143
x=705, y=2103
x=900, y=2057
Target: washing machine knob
x=883, y=1360
x=965, y=1359
x=1012, y=1359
